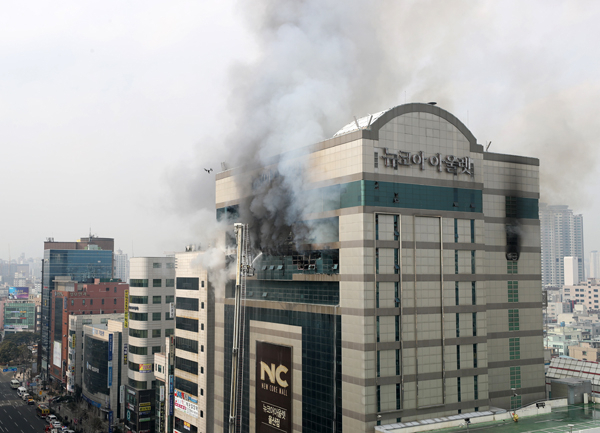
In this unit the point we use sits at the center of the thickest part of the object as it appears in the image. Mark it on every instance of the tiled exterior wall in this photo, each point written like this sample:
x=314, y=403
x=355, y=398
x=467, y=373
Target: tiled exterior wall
x=423, y=278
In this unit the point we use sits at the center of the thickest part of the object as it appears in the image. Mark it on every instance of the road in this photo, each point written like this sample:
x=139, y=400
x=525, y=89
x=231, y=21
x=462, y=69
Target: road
x=15, y=415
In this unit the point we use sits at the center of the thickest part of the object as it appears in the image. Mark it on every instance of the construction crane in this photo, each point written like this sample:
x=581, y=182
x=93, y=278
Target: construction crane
x=237, y=354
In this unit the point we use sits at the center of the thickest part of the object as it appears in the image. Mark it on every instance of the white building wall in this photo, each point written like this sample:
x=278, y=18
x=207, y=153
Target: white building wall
x=157, y=274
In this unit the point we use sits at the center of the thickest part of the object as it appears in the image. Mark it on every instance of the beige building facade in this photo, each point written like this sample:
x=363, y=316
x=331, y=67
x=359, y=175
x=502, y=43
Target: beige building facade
x=422, y=299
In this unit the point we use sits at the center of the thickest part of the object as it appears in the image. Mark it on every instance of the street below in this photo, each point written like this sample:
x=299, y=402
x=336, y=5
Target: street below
x=16, y=416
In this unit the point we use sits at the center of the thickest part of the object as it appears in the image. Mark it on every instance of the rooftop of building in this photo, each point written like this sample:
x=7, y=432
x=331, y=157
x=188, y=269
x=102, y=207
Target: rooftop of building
x=582, y=417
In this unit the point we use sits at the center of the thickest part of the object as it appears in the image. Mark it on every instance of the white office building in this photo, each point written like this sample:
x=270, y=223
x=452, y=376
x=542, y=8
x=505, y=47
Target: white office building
x=194, y=355
x=121, y=266
x=151, y=293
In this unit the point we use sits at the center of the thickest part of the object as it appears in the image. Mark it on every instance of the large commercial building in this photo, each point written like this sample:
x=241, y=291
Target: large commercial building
x=75, y=342
x=82, y=261
x=561, y=236
x=421, y=297
x=151, y=295
x=72, y=298
x=19, y=316
x=194, y=341
x=105, y=369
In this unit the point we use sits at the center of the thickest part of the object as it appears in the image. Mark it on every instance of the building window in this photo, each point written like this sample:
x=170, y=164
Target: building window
x=156, y=316
x=72, y=302
x=513, y=291
x=156, y=299
x=186, y=344
x=202, y=326
x=514, y=348
x=512, y=267
x=138, y=350
x=186, y=365
x=138, y=333
x=169, y=299
x=458, y=357
x=474, y=355
x=458, y=388
x=187, y=283
x=157, y=282
x=202, y=305
x=115, y=290
x=190, y=304
x=473, y=293
x=115, y=301
x=156, y=333
x=138, y=283
x=156, y=265
x=515, y=377
x=170, y=282
x=376, y=295
x=138, y=299
x=168, y=316
x=201, y=283
x=83, y=302
x=456, y=293
x=186, y=386
x=155, y=349
x=170, y=265
x=141, y=317
x=376, y=159
x=102, y=301
x=474, y=324
x=475, y=388
x=91, y=302
x=186, y=324
x=457, y=325
x=513, y=320
x=169, y=332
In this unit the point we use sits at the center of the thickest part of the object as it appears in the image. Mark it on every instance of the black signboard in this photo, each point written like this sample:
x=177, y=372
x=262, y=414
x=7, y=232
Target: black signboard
x=273, y=388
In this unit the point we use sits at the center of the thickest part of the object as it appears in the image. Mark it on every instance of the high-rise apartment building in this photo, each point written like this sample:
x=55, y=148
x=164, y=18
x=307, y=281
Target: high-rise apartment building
x=82, y=261
x=561, y=236
x=121, y=266
x=194, y=342
x=151, y=293
x=415, y=294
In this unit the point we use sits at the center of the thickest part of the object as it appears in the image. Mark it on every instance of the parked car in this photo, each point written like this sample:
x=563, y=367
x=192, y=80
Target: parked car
x=56, y=424
x=50, y=418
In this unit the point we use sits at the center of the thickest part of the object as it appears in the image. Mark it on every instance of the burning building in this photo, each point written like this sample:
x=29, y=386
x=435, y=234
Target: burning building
x=396, y=277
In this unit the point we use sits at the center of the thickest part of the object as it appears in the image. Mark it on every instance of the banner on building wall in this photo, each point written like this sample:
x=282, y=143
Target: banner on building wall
x=273, y=387
x=186, y=407
x=145, y=368
x=126, y=309
x=162, y=393
x=125, y=354
x=110, y=356
x=57, y=353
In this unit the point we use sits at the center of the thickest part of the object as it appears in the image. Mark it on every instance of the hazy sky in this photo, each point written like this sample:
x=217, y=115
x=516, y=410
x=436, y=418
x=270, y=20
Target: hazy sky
x=109, y=111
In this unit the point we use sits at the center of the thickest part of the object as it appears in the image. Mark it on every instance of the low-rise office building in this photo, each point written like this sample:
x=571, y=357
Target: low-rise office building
x=75, y=343
x=104, y=368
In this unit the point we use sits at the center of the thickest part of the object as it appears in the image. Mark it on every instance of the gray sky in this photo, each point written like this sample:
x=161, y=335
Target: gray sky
x=109, y=111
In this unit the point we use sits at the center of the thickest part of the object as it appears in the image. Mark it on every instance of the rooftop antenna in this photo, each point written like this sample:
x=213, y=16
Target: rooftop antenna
x=370, y=118
x=488, y=146
x=356, y=121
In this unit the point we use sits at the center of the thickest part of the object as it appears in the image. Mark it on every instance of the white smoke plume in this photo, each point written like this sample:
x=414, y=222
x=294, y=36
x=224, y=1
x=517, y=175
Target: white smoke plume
x=495, y=65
